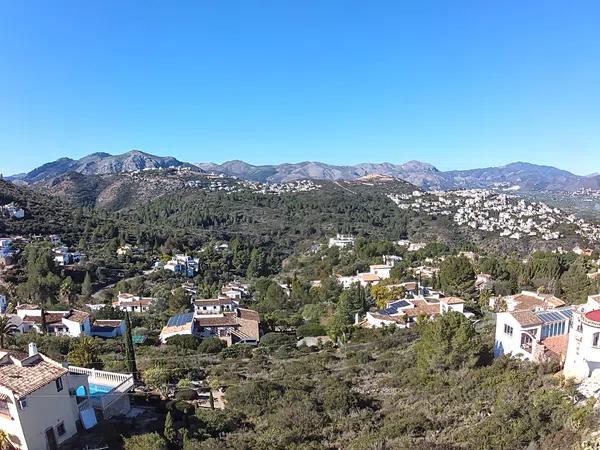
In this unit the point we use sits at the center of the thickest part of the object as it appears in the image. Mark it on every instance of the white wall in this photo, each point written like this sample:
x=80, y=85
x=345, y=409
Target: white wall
x=46, y=408
x=504, y=343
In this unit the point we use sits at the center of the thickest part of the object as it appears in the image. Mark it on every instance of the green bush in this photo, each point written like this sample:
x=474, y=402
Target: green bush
x=211, y=345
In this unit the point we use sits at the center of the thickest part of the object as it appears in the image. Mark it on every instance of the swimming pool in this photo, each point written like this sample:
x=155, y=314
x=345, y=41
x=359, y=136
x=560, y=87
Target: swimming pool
x=96, y=390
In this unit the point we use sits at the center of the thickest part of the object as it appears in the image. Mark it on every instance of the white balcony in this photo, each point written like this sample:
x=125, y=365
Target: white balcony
x=105, y=387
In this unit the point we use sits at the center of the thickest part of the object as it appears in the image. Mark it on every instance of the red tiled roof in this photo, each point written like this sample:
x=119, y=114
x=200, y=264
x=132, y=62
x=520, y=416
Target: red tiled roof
x=594, y=316
x=226, y=320
x=422, y=308
x=33, y=374
x=78, y=316
x=213, y=301
x=557, y=344
x=526, y=318
x=50, y=318
x=249, y=314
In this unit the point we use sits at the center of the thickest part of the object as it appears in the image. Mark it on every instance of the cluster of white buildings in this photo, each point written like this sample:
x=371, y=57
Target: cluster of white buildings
x=64, y=257
x=229, y=185
x=411, y=246
x=13, y=211
x=499, y=213
x=44, y=404
x=73, y=322
x=184, y=265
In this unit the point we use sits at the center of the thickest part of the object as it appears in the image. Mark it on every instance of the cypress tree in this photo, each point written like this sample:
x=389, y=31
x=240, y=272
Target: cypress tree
x=129, y=350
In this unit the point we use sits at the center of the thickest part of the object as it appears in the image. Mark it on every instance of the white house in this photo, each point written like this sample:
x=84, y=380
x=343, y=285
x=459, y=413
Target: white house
x=133, y=303
x=38, y=407
x=341, y=241
x=533, y=334
x=179, y=324
x=221, y=318
x=72, y=322
x=583, y=350
x=183, y=264
x=381, y=270
x=404, y=313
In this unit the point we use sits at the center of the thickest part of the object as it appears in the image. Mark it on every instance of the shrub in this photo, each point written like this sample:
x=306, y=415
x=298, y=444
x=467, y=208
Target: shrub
x=186, y=341
x=211, y=345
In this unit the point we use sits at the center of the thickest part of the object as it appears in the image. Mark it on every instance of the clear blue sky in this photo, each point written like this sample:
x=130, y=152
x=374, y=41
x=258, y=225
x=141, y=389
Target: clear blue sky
x=460, y=84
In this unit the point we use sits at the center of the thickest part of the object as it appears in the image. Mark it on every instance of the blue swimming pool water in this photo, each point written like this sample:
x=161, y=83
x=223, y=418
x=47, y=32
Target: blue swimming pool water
x=96, y=390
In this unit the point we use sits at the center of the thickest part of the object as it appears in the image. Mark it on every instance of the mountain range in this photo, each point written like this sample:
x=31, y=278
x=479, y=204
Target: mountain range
x=518, y=176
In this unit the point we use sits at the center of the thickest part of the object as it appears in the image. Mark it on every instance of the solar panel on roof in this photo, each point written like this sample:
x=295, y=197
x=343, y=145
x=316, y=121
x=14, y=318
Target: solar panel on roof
x=552, y=316
x=180, y=319
x=400, y=304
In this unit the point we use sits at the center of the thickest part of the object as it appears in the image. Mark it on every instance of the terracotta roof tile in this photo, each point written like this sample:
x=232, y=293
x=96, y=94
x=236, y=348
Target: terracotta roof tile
x=33, y=374
x=526, y=318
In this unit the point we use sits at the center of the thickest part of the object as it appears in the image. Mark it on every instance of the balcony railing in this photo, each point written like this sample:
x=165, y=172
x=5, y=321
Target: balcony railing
x=120, y=384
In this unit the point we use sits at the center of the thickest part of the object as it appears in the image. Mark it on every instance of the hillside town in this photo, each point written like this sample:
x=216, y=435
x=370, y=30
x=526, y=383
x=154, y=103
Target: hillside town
x=503, y=214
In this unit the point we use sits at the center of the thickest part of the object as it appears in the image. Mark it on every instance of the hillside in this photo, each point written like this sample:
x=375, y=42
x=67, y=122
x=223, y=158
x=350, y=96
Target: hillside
x=44, y=214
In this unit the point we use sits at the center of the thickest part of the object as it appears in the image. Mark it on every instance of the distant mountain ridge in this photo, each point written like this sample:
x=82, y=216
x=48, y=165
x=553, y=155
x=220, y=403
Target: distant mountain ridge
x=517, y=176
x=99, y=164
x=521, y=175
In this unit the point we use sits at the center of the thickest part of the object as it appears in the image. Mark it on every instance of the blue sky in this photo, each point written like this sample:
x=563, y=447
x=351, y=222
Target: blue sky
x=459, y=84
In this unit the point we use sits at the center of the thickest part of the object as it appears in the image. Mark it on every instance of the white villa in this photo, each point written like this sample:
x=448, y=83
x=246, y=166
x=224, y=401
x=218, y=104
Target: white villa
x=43, y=404
x=404, y=313
x=341, y=241
x=221, y=317
x=72, y=322
x=376, y=273
x=133, y=303
x=526, y=300
x=533, y=335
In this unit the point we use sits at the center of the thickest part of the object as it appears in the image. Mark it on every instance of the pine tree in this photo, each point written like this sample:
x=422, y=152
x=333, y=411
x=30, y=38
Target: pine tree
x=129, y=349
x=86, y=287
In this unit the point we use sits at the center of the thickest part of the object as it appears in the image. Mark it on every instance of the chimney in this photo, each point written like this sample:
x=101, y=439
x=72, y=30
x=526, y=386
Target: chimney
x=33, y=349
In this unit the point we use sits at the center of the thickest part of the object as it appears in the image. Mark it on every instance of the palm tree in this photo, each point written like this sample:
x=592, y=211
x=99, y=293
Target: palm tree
x=5, y=443
x=7, y=329
x=84, y=353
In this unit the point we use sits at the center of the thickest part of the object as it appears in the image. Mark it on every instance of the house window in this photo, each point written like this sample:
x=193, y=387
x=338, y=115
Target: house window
x=595, y=339
x=59, y=385
x=60, y=429
x=508, y=330
x=4, y=408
